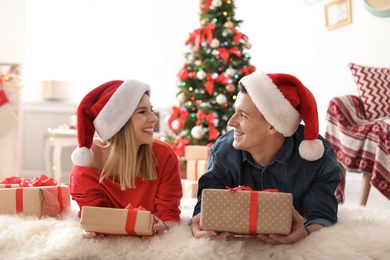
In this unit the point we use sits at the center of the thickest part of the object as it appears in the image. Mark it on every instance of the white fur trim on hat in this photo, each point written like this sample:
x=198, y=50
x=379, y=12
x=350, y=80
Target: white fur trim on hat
x=82, y=156
x=311, y=150
x=270, y=101
x=119, y=108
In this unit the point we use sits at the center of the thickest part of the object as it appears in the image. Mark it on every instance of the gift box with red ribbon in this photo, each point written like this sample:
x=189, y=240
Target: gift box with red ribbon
x=195, y=169
x=39, y=197
x=243, y=211
x=113, y=221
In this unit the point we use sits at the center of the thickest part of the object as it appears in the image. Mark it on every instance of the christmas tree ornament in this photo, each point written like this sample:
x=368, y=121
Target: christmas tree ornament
x=181, y=97
x=230, y=71
x=197, y=132
x=248, y=45
x=201, y=75
x=190, y=58
x=214, y=43
x=221, y=99
x=230, y=88
x=175, y=124
x=216, y=3
x=229, y=25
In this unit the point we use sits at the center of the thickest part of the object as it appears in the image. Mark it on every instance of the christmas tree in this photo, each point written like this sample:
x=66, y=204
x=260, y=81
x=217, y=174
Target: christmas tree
x=207, y=82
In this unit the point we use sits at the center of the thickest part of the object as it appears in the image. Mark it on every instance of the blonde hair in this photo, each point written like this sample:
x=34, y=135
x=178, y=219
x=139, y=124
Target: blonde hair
x=126, y=161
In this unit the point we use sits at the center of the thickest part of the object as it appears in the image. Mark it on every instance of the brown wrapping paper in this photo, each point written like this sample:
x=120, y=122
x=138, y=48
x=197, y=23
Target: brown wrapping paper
x=224, y=210
x=117, y=221
x=195, y=169
x=196, y=152
x=190, y=188
x=38, y=201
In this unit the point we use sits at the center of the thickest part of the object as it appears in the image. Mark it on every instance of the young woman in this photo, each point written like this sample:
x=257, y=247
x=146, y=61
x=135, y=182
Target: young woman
x=118, y=161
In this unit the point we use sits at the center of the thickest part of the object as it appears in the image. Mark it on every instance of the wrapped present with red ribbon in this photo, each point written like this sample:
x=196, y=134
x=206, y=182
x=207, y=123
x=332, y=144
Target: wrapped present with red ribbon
x=195, y=169
x=113, y=221
x=243, y=211
x=39, y=197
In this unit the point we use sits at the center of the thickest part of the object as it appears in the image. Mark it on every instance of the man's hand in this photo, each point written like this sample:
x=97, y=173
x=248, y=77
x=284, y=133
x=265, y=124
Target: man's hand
x=198, y=232
x=298, y=232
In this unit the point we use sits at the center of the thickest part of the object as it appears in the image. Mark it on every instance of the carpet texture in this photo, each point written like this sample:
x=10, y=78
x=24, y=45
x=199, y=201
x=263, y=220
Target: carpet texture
x=362, y=233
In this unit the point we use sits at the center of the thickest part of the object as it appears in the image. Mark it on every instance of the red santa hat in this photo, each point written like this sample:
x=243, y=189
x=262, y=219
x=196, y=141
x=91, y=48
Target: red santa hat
x=105, y=109
x=284, y=102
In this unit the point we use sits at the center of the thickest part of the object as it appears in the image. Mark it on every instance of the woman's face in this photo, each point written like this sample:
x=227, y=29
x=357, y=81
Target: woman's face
x=143, y=120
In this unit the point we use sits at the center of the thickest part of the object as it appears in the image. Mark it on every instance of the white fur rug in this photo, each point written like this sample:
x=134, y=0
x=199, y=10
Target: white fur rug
x=362, y=233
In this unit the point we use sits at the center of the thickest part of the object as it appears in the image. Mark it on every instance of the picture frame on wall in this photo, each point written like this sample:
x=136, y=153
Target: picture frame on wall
x=337, y=13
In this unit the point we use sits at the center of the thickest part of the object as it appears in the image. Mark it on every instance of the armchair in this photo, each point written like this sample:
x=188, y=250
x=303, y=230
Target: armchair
x=361, y=145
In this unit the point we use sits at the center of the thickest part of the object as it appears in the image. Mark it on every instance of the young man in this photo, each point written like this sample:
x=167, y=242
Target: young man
x=269, y=149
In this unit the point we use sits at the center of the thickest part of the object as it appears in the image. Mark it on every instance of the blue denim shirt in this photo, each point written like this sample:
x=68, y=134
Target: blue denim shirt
x=312, y=183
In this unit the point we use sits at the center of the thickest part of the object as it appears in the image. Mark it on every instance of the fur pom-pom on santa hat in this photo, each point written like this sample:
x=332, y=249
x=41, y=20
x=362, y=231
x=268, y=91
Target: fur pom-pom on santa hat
x=284, y=102
x=105, y=109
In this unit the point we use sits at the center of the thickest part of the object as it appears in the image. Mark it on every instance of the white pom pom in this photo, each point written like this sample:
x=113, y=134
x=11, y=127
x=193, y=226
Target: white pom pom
x=82, y=156
x=311, y=150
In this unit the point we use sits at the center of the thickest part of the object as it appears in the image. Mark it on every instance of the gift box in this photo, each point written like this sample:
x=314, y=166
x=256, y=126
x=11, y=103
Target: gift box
x=38, y=201
x=190, y=188
x=195, y=169
x=196, y=152
x=114, y=221
x=40, y=196
x=246, y=212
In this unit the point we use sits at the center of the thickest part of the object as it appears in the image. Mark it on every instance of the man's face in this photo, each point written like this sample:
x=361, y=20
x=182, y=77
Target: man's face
x=250, y=128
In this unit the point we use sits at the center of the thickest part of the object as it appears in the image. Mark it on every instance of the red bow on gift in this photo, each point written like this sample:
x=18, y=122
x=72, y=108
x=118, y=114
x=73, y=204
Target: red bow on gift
x=43, y=180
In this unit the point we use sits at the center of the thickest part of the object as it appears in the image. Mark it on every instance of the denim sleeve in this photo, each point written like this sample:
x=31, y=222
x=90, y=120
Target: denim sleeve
x=319, y=202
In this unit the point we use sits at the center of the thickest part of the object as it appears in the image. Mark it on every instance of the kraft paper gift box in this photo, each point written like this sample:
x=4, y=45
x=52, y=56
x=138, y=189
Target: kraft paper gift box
x=114, y=221
x=38, y=201
x=196, y=152
x=190, y=188
x=246, y=212
x=195, y=169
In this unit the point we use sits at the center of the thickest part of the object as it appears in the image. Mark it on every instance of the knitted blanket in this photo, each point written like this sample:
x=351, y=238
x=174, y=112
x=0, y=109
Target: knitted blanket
x=360, y=145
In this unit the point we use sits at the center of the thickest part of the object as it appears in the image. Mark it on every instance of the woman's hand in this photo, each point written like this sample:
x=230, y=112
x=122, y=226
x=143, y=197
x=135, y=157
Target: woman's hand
x=88, y=234
x=160, y=227
x=298, y=232
x=198, y=232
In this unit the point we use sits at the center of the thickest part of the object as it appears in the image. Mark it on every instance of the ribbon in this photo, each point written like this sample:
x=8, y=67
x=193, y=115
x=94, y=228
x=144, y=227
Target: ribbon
x=184, y=74
x=43, y=180
x=237, y=36
x=213, y=132
x=209, y=85
x=177, y=112
x=247, y=70
x=225, y=53
x=199, y=35
x=131, y=218
x=179, y=145
x=206, y=5
x=253, y=207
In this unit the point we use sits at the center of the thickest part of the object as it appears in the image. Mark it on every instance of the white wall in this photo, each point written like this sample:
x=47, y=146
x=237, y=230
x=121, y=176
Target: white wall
x=287, y=36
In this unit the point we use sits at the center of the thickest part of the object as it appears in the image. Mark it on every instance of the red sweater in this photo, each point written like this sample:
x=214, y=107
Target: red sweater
x=161, y=196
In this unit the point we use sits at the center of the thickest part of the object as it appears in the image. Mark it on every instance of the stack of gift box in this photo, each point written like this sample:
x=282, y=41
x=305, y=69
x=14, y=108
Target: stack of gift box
x=196, y=161
x=41, y=197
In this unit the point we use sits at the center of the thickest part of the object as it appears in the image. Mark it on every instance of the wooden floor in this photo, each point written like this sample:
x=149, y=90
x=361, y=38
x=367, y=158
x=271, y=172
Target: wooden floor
x=352, y=193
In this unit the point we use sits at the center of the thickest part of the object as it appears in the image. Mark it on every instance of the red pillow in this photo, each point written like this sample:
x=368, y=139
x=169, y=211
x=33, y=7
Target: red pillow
x=373, y=85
